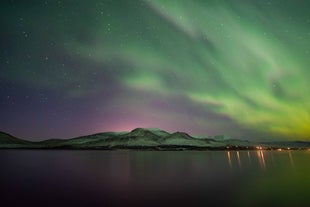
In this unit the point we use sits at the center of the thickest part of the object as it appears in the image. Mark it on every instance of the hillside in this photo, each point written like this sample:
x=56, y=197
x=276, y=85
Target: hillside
x=9, y=141
x=147, y=138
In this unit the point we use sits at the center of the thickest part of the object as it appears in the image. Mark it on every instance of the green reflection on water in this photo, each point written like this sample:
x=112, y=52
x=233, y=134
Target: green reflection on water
x=284, y=181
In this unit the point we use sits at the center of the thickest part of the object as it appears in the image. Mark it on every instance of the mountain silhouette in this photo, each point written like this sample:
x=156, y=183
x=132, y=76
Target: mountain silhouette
x=147, y=139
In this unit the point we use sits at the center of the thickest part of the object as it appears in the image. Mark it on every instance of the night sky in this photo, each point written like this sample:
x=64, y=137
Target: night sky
x=206, y=67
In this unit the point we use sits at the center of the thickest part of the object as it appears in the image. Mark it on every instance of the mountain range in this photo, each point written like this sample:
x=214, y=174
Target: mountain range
x=147, y=139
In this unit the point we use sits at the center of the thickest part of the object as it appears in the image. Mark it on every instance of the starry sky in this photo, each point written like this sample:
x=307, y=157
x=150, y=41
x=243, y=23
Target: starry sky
x=206, y=67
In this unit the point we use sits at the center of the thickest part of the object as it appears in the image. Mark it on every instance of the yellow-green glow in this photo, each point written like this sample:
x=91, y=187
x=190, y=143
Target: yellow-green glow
x=216, y=66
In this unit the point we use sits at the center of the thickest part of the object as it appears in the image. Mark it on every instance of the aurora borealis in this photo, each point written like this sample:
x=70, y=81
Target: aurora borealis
x=207, y=67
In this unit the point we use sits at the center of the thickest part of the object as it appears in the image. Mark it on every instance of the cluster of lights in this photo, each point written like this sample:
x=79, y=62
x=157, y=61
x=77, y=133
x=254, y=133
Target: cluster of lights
x=280, y=149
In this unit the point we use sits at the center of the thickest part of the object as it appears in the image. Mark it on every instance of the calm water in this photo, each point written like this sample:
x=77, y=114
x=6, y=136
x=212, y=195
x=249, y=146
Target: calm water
x=151, y=178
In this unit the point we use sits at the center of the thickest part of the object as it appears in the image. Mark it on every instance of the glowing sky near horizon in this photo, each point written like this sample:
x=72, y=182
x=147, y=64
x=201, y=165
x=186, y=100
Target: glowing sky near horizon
x=234, y=67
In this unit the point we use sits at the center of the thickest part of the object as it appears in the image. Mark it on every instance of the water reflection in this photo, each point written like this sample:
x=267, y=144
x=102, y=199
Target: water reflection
x=291, y=159
x=249, y=157
x=238, y=157
x=263, y=159
x=245, y=157
x=178, y=178
x=229, y=159
x=259, y=158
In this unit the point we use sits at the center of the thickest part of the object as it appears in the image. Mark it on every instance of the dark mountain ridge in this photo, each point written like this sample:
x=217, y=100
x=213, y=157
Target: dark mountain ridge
x=148, y=139
x=6, y=138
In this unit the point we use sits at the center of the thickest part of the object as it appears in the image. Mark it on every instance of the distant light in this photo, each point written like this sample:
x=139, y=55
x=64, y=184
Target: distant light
x=288, y=148
x=280, y=149
x=259, y=147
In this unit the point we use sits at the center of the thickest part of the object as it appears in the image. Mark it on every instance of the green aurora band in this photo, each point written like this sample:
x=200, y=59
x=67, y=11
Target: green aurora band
x=247, y=60
x=248, y=64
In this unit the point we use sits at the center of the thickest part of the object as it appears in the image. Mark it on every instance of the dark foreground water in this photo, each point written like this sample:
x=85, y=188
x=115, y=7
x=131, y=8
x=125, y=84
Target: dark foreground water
x=151, y=178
